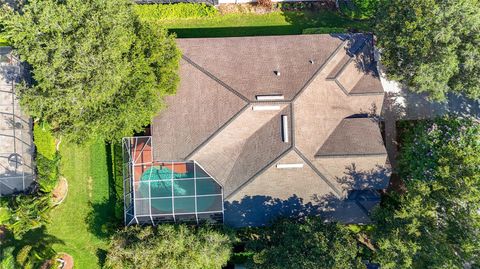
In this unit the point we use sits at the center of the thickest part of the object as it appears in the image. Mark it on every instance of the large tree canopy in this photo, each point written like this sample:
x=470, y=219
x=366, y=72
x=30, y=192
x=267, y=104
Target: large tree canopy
x=432, y=46
x=98, y=72
x=436, y=223
x=309, y=243
x=169, y=247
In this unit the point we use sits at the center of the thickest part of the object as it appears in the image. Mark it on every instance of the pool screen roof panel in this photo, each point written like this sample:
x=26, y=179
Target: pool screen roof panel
x=166, y=189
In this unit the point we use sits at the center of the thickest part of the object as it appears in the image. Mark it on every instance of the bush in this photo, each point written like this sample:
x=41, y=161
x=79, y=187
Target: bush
x=47, y=172
x=175, y=11
x=360, y=9
x=47, y=159
x=44, y=140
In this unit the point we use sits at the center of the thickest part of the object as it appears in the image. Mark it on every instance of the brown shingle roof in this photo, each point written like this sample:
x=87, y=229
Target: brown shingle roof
x=353, y=136
x=247, y=64
x=211, y=119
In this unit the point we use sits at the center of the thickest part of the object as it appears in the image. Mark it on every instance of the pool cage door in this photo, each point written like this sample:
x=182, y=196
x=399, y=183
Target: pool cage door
x=159, y=191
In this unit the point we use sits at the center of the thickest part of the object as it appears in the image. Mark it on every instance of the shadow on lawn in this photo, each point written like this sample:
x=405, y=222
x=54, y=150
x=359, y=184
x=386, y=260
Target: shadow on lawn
x=106, y=216
x=329, y=21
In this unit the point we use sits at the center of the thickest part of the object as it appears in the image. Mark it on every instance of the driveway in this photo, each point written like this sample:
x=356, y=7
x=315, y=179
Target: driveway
x=400, y=104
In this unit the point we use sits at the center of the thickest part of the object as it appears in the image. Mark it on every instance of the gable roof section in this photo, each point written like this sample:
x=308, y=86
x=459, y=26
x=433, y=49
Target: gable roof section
x=248, y=144
x=353, y=137
x=200, y=107
x=247, y=64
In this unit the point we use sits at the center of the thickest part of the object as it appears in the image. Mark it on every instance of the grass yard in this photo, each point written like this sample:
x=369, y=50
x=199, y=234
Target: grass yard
x=251, y=24
x=81, y=221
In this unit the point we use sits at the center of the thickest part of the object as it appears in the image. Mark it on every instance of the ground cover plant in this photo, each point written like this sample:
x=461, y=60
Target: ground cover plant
x=435, y=223
x=276, y=22
x=98, y=78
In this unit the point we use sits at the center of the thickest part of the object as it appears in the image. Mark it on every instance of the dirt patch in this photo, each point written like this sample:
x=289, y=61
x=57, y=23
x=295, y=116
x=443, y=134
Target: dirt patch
x=67, y=261
x=60, y=191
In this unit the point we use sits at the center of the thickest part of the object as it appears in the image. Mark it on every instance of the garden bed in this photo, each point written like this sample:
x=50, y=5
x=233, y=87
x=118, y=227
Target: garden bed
x=60, y=192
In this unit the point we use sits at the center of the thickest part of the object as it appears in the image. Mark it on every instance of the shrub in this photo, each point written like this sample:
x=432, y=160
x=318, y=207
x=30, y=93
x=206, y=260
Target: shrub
x=47, y=159
x=44, y=140
x=175, y=11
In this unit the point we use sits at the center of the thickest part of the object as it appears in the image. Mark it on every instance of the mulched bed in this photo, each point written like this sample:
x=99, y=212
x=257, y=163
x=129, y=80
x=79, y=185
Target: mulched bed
x=60, y=192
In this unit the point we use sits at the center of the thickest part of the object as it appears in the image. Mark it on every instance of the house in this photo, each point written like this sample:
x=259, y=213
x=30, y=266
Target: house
x=262, y=127
x=16, y=142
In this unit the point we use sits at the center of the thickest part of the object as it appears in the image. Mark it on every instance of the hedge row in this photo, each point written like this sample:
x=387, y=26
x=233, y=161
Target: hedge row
x=47, y=158
x=174, y=11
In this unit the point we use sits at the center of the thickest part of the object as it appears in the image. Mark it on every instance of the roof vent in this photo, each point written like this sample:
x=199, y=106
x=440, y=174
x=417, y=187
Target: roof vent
x=270, y=97
x=311, y=61
x=265, y=108
x=277, y=73
x=289, y=165
x=285, y=128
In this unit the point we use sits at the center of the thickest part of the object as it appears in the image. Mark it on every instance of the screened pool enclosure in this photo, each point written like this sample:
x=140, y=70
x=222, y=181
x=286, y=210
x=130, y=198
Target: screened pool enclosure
x=166, y=191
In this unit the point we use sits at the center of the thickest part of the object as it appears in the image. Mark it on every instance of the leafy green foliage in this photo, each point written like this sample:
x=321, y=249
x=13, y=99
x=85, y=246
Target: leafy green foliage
x=168, y=246
x=311, y=243
x=436, y=223
x=103, y=77
x=44, y=141
x=7, y=259
x=27, y=212
x=432, y=46
x=175, y=11
x=360, y=9
x=47, y=159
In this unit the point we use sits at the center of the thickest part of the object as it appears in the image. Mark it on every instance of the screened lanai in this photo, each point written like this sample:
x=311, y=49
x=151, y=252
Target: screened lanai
x=166, y=191
x=16, y=143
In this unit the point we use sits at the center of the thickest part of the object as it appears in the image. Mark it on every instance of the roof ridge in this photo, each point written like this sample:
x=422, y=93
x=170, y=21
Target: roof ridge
x=218, y=131
x=320, y=174
x=248, y=181
x=319, y=70
x=219, y=81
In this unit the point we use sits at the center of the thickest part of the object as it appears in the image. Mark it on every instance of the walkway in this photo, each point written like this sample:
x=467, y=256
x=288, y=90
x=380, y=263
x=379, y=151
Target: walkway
x=400, y=104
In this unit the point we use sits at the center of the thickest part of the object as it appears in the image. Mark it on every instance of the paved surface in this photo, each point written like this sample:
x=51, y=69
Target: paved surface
x=400, y=104
x=16, y=144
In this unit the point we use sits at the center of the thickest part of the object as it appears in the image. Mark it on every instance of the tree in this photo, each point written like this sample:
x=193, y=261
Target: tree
x=310, y=243
x=432, y=46
x=436, y=223
x=98, y=71
x=168, y=246
x=23, y=213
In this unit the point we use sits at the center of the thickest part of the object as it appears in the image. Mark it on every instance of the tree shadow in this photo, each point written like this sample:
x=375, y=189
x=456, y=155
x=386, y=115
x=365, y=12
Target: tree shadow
x=40, y=241
x=362, y=188
x=376, y=178
x=101, y=220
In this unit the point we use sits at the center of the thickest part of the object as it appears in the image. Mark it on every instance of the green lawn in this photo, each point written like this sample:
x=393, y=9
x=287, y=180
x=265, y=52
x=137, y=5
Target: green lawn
x=81, y=221
x=249, y=24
